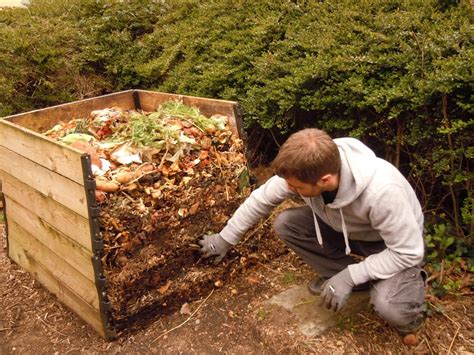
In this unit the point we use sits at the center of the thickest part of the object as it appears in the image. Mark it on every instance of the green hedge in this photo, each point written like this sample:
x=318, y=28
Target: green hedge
x=397, y=74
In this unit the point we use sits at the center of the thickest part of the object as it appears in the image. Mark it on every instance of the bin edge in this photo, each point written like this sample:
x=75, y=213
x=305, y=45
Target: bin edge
x=97, y=249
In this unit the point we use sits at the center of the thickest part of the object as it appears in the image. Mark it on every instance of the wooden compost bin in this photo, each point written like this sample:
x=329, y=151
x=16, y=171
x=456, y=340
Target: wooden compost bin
x=51, y=215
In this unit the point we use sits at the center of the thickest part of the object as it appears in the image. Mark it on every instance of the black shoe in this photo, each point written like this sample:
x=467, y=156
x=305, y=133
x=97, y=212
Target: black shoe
x=315, y=285
x=410, y=328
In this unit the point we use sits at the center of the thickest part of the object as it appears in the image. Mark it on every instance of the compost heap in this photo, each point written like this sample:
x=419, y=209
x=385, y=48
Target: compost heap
x=163, y=180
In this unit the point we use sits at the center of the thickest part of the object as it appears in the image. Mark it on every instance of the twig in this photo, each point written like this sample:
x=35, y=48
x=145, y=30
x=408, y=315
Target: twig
x=303, y=303
x=13, y=326
x=444, y=314
x=274, y=138
x=50, y=327
x=429, y=346
x=441, y=272
x=128, y=196
x=194, y=124
x=167, y=147
x=452, y=341
x=258, y=227
x=187, y=320
x=421, y=342
x=142, y=175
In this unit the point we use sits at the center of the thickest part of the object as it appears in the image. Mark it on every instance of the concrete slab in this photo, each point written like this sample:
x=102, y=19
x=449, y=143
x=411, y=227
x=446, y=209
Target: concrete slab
x=313, y=319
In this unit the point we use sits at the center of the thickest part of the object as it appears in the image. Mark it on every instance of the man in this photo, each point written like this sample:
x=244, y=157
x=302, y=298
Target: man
x=355, y=203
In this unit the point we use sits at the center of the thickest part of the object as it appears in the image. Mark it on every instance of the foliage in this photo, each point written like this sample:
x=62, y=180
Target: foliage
x=40, y=61
x=449, y=261
x=396, y=74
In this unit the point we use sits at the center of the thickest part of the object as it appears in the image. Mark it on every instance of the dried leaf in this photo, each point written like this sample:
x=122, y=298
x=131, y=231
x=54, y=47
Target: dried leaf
x=163, y=289
x=203, y=154
x=253, y=280
x=194, y=208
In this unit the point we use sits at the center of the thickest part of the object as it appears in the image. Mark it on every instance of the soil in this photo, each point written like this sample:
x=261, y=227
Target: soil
x=232, y=318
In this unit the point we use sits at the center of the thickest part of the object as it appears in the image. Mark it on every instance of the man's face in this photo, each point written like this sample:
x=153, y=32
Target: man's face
x=305, y=189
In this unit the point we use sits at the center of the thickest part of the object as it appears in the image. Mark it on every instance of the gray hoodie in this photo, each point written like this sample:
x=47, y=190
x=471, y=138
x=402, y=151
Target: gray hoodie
x=374, y=202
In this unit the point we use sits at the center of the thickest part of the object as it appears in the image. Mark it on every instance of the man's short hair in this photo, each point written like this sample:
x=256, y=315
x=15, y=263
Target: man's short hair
x=307, y=155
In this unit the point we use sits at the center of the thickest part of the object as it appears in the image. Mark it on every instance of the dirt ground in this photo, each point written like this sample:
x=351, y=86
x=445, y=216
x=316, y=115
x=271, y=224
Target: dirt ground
x=232, y=318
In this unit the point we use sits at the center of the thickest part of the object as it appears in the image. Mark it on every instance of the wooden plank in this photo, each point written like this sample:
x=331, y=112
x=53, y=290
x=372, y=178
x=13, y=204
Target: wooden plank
x=44, y=119
x=75, y=226
x=57, y=267
x=43, y=274
x=75, y=255
x=150, y=100
x=47, y=182
x=55, y=156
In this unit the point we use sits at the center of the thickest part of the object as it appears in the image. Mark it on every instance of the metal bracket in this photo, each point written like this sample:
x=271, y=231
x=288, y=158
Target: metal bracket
x=136, y=100
x=4, y=204
x=97, y=248
x=239, y=114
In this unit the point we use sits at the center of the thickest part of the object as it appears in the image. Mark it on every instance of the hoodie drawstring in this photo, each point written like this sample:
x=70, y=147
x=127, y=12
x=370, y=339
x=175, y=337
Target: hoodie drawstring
x=318, y=231
x=344, y=232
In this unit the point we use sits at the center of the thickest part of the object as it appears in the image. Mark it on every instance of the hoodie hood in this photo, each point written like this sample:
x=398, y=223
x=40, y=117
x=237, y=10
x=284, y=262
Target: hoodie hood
x=358, y=164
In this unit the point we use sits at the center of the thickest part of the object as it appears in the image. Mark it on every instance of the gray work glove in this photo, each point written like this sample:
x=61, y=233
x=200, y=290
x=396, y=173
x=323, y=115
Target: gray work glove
x=214, y=244
x=336, y=290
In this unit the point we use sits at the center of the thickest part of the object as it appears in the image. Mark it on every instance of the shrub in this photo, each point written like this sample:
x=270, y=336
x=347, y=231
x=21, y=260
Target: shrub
x=396, y=74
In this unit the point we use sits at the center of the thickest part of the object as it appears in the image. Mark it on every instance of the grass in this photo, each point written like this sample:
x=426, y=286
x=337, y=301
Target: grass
x=288, y=278
x=262, y=314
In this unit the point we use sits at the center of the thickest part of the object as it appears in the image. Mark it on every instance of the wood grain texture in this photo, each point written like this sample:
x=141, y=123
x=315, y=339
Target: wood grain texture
x=75, y=255
x=71, y=224
x=52, y=155
x=47, y=182
x=55, y=264
x=67, y=294
x=44, y=119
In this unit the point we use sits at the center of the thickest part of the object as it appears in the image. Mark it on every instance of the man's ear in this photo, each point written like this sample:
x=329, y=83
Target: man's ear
x=326, y=178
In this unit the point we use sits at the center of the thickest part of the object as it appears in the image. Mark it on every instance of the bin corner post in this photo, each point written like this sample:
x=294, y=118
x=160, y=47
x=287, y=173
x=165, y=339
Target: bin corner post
x=4, y=212
x=239, y=114
x=97, y=248
x=136, y=100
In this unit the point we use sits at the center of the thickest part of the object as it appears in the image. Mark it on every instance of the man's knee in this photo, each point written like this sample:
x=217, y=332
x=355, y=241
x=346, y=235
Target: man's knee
x=396, y=314
x=399, y=300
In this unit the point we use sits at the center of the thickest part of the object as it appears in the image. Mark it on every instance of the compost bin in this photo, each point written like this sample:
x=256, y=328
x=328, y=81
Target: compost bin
x=108, y=262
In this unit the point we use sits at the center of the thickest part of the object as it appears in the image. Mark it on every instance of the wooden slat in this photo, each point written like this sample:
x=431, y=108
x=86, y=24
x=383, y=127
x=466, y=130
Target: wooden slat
x=75, y=226
x=150, y=100
x=57, y=267
x=75, y=255
x=44, y=119
x=43, y=151
x=47, y=182
x=44, y=275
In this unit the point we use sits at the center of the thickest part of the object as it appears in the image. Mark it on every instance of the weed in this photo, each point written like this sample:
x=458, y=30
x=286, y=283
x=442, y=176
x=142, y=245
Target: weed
x=262, y=314
x=288, y=278
x=449, y=260
x=345, y=321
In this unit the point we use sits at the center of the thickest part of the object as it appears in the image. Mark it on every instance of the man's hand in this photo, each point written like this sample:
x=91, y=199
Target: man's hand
x=214, y=244
x=336, y=290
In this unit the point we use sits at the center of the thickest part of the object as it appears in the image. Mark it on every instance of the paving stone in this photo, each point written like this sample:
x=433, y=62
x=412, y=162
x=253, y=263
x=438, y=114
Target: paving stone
x=313, y=319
